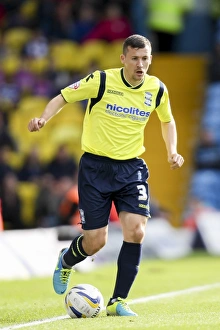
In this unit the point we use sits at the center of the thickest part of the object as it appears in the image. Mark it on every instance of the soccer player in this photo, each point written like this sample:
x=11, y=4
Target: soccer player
x=120, y=102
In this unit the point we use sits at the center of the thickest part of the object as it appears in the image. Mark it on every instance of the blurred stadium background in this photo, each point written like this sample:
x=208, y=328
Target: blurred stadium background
x=46, y=45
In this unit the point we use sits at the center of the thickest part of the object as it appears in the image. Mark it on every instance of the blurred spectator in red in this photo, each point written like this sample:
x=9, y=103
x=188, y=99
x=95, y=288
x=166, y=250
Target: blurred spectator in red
x=113, y=26
x=2, y=15
x=69, y=207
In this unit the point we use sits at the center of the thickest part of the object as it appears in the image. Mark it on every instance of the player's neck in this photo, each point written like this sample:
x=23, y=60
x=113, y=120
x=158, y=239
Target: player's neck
x=133, y=83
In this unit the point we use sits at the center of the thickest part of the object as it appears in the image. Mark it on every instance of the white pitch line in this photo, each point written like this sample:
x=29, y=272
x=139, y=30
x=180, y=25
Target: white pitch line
x=134, y=301
x=30, y=324
x=175, y=293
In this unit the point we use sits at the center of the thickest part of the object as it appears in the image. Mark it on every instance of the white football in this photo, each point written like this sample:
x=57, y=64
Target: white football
x=84, y=300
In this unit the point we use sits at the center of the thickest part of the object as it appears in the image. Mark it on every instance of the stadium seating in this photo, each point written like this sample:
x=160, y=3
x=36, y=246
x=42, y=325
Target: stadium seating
x=65, y=55
x=32, y=103
x=66, y=127
x=10, y=64
x=16, y=37
x=28, y=9
x=28, y=192
x=93, y=51
x=112, y=55
x=39, y=65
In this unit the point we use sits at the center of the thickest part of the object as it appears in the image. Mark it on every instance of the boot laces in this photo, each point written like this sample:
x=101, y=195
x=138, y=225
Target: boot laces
x=64, y=275
x=124, y=304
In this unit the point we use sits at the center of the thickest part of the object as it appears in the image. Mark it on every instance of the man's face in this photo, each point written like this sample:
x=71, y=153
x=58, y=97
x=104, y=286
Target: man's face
x=136, y=63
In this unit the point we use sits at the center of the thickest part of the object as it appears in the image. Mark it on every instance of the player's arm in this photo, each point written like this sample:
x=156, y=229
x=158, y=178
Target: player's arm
x=169, y=134
x=52, y=108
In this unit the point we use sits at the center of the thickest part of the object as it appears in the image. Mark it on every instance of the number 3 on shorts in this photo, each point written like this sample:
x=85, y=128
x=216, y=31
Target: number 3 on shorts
x=142, y=192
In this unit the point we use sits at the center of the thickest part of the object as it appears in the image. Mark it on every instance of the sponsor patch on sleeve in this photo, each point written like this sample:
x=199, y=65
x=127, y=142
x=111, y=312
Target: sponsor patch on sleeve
x=75, y=85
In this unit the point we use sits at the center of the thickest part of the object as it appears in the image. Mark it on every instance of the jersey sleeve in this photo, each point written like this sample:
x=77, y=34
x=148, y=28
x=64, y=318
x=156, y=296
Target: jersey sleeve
x=163, y=110
x=83, y=89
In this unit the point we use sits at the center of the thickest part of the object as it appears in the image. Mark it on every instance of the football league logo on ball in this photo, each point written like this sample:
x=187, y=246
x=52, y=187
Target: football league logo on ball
x=83, y=301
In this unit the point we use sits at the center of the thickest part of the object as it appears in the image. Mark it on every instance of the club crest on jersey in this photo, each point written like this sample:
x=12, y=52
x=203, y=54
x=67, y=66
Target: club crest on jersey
x=82, y=216
x=148, y=99
x=75, y=85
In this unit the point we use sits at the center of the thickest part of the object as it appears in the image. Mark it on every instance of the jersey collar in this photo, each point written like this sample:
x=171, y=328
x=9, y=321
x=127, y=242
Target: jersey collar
x=127, y=83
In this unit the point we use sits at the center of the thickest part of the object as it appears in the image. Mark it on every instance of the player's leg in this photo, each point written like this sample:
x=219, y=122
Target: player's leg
x=133, y=226
x=94, y=206
x=82, y=246
x=90, y=242
x=132, y=203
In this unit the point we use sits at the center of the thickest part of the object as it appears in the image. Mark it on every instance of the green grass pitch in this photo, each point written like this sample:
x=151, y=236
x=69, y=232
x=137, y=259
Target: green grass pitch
x=32, y=304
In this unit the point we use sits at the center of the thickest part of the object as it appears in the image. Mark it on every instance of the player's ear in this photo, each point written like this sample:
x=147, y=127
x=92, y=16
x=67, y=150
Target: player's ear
x=122, y=58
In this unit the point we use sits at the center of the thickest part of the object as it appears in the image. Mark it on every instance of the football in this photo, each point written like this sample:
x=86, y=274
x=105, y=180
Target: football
x=83, y=301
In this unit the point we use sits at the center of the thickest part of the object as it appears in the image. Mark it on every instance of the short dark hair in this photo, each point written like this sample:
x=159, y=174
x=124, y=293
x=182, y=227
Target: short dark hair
x=135, y=41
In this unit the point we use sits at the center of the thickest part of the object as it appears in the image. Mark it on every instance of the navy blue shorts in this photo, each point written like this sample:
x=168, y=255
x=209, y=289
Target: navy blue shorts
x=103, y=180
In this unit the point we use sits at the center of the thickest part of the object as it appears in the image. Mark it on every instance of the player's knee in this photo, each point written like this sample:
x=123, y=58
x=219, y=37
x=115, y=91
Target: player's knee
x=136, y=235
x=92, y=246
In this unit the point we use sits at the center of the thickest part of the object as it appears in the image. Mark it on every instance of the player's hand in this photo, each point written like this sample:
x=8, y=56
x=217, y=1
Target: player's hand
x=175, y=161
x=36, y=124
